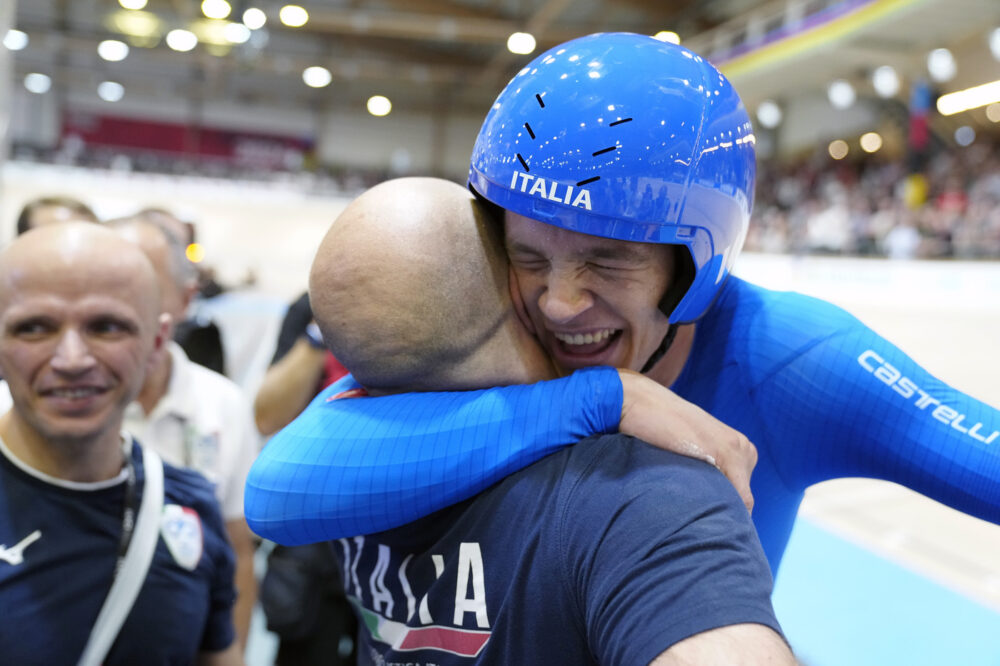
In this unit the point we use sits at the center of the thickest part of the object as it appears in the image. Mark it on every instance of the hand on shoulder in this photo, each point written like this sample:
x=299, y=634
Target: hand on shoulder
x=659, y=416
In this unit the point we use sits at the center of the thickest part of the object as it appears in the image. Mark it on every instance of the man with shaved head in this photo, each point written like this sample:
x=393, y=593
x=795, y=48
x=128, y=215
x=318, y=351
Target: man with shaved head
x=609, y=552
x=416, y=306
x=80, y=326
x=53, y=210
x=195, y=332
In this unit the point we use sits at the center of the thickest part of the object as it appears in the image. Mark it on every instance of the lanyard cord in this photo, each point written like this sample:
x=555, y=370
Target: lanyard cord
x=128, y=512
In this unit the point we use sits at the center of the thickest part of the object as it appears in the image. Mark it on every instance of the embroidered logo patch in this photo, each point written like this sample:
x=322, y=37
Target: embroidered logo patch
x=180, y=528
x=15, y=554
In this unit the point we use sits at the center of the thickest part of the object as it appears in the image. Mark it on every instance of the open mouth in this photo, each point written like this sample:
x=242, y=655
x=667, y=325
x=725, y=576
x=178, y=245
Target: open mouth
x=588, y=344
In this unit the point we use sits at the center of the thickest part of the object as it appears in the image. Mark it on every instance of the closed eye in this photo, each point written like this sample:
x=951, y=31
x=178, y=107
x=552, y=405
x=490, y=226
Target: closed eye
x=604, y=266
x=525, y=258
x=529, y=263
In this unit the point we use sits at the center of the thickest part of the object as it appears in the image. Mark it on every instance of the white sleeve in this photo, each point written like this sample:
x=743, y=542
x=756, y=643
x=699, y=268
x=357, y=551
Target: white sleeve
x=241, y=449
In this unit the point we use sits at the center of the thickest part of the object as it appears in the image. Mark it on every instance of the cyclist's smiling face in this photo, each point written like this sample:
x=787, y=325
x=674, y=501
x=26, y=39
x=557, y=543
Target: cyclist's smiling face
x=590, y=300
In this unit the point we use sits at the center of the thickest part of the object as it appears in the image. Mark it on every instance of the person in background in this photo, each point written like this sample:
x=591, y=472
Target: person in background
x=300, y=368
x=903, y=240
x=195, y=417
x=80, y=326
x=51, y=210
x=196, y=333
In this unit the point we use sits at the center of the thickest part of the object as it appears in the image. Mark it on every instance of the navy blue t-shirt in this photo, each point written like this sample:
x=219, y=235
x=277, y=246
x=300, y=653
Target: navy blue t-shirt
x=59, y=548
x=608, y=552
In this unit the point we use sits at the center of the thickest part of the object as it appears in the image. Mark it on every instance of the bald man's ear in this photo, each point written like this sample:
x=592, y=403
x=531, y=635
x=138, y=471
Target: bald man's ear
x=187, y=296
x=164, y=333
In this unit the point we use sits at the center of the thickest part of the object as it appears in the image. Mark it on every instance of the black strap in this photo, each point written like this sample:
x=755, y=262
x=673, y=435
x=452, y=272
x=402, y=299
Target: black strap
x=668, y=340
x=128, y=512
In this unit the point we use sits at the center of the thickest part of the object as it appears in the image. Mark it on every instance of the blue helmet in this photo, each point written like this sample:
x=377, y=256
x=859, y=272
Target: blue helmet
x=626, y=137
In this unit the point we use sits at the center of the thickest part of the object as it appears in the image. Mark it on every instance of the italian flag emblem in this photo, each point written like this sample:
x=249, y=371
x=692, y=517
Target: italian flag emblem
x=403, y=638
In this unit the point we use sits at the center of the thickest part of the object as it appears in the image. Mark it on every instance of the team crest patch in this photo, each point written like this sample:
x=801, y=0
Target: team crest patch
x=180, y=528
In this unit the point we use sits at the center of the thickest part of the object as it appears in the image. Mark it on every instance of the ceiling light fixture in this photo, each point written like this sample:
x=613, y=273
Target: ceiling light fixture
x=254, y=18
x=965, y=135
x=38, y=83
x=317, y=77
x=112, y=50
x=15, y=40
x=668, y=36
x=941, y=65
x=885, y=80
x=769, y=114
x=236, y=33
x=521, y=43
x=110, y=91
x=145, y=25
x=293, y=16
x=993, y=112
x=837, y=149
x=871, y=142
x=215, y=9
x=970, y=98
x=379, y=105
x=841, y=94
x=181, y=40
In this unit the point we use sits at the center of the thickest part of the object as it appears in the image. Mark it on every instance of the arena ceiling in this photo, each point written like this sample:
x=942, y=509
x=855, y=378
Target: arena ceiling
x=451, y=54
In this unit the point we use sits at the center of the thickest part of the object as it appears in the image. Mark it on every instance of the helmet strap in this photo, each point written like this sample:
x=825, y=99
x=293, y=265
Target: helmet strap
x=684, y=273
x=668, y=340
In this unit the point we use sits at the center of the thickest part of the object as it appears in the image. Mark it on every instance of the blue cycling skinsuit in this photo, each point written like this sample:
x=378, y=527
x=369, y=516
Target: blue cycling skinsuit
x=820, y=394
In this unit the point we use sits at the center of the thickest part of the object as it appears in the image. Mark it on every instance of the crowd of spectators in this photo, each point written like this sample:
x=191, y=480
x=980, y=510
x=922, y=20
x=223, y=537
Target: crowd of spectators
x=870, y=207
x=949, y=209
x=306, y=175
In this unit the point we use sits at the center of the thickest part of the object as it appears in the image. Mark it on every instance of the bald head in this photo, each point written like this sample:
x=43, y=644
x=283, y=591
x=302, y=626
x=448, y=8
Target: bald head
x=80, y=327
x=53, y=210
x=175, y=273
x=409, y=287
x=182, y=231
x=77, y=258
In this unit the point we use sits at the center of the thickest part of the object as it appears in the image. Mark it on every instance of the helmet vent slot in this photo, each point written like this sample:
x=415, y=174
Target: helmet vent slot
x=540, y=102
x=530, y=131
x=523, y=163
x=604, y=150
x=589, y=180
x=619, y=122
